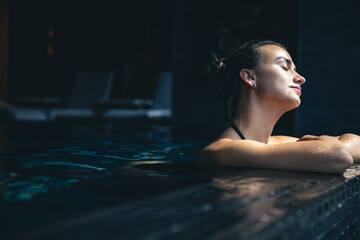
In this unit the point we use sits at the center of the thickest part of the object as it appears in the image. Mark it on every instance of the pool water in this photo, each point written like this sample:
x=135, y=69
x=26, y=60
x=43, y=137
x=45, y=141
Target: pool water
x=56, y=171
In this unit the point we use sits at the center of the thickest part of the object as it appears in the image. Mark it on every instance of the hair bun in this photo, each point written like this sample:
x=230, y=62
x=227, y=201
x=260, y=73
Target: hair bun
x=219, y=62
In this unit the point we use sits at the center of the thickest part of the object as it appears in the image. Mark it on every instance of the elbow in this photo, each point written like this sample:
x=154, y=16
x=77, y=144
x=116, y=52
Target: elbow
x=342, y=159
x=347, y=160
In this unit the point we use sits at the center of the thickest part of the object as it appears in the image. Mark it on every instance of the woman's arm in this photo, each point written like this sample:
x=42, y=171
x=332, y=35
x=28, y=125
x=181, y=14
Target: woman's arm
x=351, y=141
x=322, y=155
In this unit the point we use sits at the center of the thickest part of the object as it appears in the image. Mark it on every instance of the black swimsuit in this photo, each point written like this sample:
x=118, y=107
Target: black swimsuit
x=237, y=131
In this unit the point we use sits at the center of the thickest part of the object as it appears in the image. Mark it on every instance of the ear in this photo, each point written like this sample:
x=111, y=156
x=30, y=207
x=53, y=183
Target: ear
x=248, y=76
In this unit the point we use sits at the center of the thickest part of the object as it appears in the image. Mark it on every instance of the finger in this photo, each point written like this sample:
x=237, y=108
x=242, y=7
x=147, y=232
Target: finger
x=308, y=138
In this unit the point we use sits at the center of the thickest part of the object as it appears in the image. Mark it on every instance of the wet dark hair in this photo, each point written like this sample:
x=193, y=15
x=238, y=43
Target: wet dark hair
x=225, y=71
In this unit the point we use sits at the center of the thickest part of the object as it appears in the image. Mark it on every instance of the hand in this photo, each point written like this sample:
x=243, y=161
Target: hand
x=352, y=143
x=349, y=137
x=313, y=138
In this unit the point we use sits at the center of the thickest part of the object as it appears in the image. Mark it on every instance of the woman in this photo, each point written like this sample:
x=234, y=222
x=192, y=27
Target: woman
x=260, y=84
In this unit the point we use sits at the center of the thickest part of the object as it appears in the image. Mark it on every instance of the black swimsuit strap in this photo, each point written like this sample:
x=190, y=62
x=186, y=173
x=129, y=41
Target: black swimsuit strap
x=237, y=131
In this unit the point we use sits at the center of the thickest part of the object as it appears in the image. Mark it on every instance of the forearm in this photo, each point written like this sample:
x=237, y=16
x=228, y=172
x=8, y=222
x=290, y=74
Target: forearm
x=328, y=155
x=352, y=143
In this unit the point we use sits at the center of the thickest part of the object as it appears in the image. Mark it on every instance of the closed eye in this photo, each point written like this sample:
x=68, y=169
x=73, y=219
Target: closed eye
x=285, y=68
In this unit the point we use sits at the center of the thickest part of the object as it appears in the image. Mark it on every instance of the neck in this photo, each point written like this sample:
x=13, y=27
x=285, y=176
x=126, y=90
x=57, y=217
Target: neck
x=256, y=118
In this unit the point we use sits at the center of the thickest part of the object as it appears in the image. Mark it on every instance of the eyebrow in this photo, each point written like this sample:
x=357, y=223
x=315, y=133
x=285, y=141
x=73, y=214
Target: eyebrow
x=288, y=61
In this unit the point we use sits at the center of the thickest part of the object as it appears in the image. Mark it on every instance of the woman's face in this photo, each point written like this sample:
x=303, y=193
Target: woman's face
x=276, y=77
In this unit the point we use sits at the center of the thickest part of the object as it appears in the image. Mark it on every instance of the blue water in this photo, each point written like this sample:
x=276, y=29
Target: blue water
x=37, y=160
x=55, y=172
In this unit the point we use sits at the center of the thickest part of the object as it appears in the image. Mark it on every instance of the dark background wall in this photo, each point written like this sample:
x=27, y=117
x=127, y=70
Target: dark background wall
x=49, y=42
x=329, y=50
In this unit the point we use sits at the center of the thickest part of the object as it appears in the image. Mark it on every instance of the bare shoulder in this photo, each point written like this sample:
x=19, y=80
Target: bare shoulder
x=227, y=138
x=281, y=139
x=225, y=151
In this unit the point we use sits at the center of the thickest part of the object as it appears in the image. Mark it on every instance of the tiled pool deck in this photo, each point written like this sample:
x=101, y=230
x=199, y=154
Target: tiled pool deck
x=105, y=182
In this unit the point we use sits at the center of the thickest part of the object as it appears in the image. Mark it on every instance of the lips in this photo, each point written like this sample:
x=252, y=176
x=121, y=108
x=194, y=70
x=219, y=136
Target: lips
x=297, y=88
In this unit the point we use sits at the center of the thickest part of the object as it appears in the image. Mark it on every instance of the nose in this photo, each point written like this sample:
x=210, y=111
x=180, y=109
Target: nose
x=299, y=79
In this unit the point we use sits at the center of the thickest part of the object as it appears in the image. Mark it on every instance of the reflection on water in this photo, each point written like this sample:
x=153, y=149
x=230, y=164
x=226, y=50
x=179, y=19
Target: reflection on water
x=32, y=164
x=59, y=163
x=26, y=189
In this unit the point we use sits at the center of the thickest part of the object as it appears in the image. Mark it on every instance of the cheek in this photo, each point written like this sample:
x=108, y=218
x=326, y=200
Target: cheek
x=273, y=83
x=274, y=86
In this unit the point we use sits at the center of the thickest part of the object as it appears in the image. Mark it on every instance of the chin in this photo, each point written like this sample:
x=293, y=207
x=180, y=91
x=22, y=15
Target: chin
x=298, y=103
x=293, y=103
